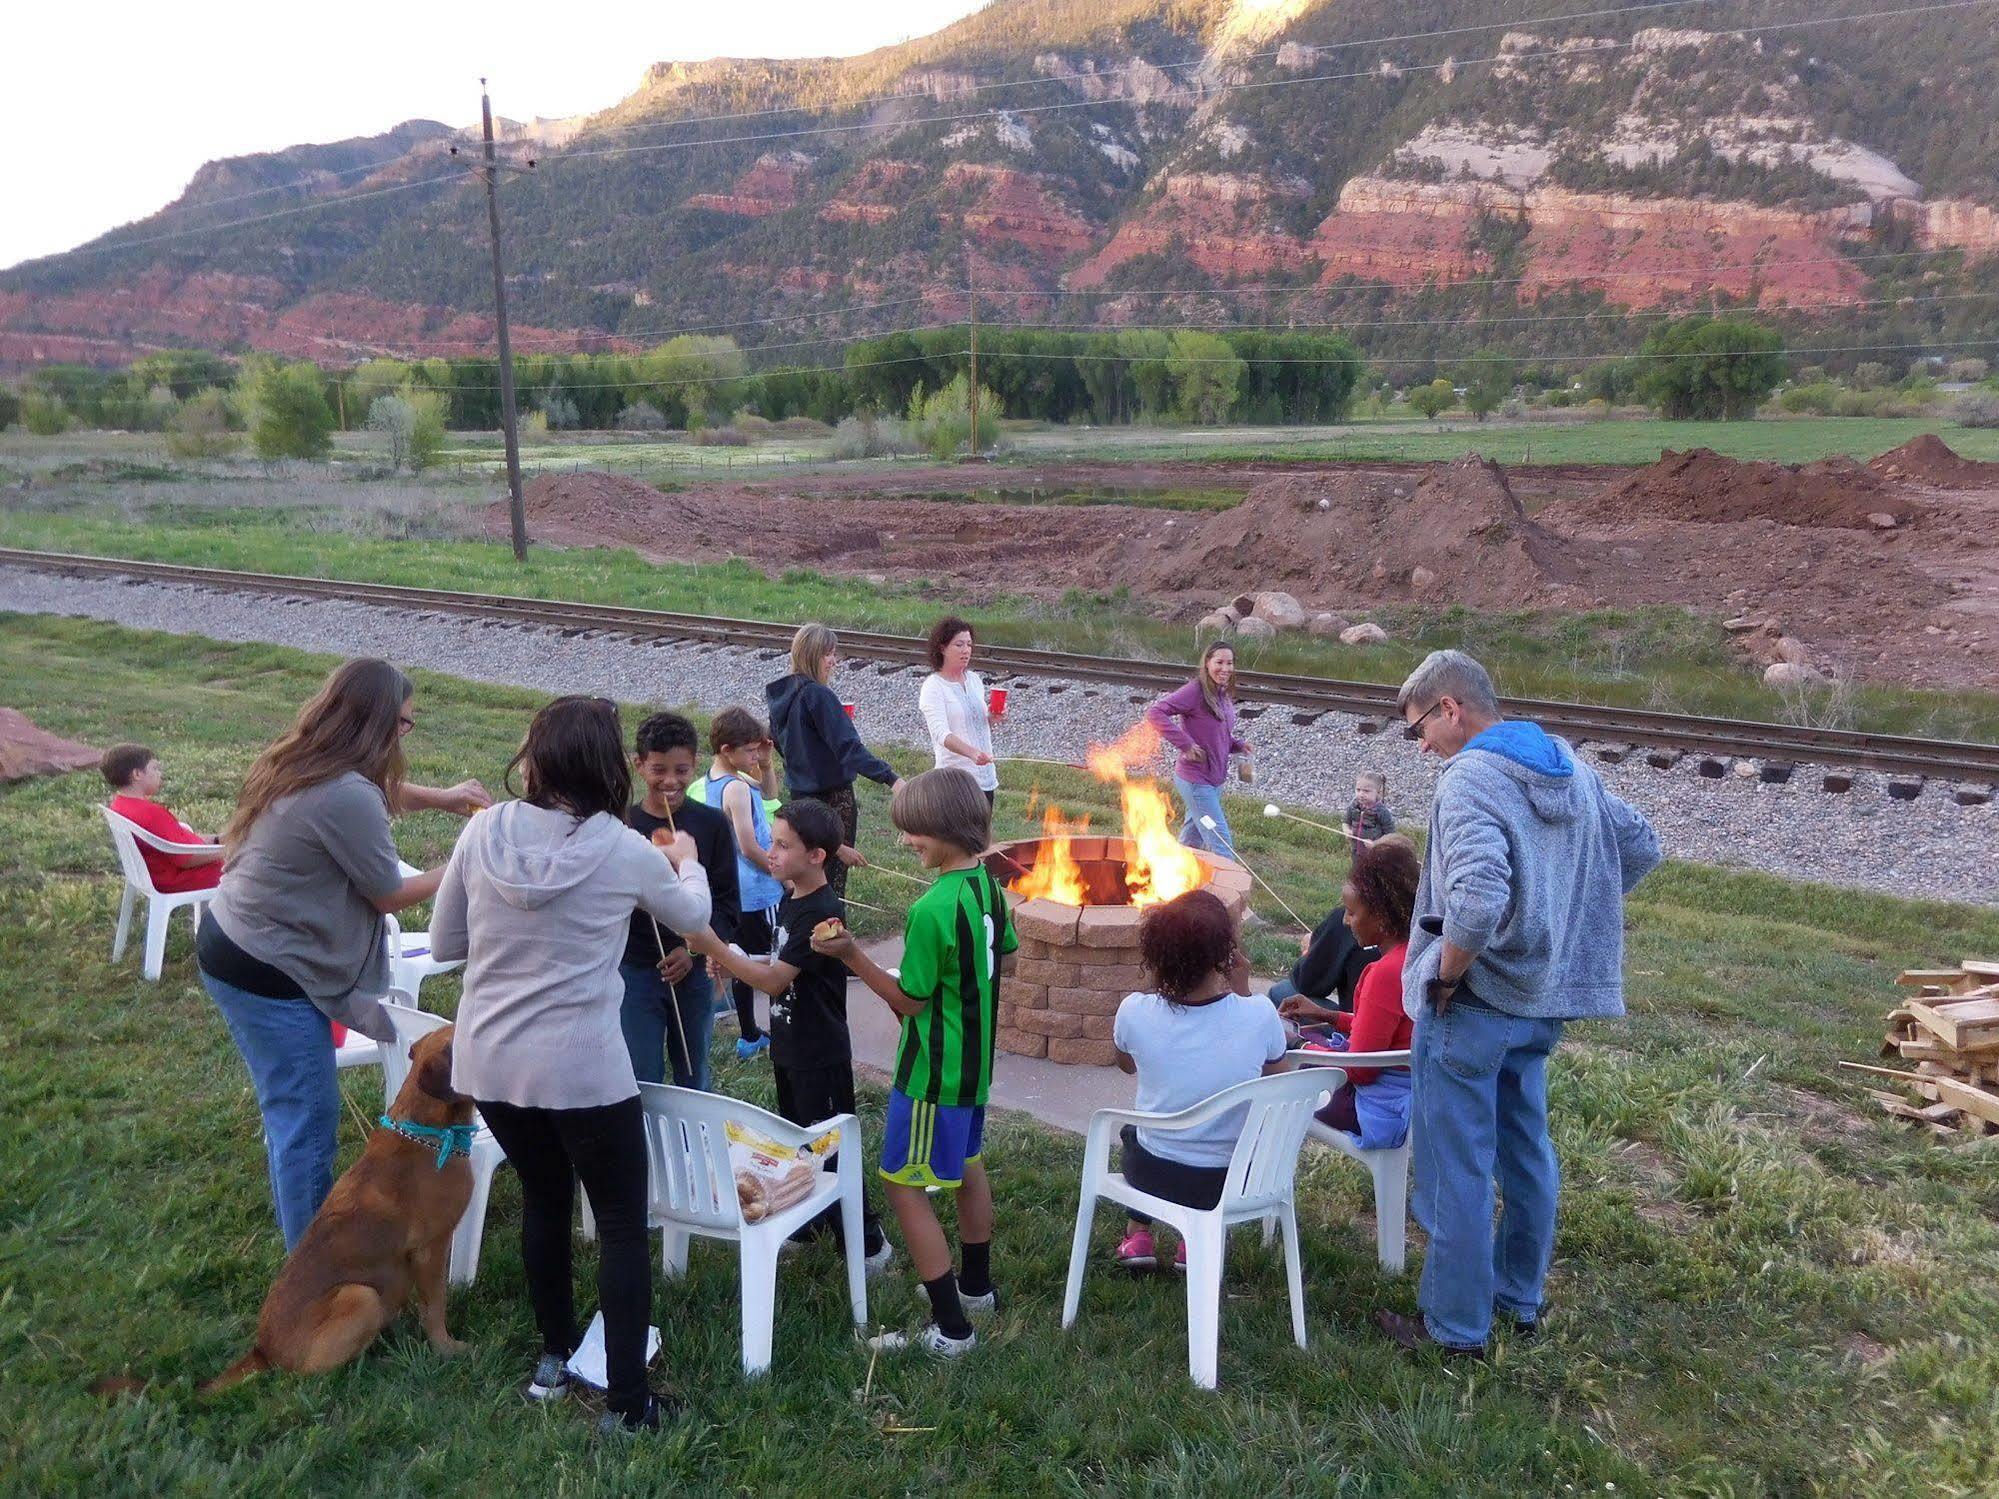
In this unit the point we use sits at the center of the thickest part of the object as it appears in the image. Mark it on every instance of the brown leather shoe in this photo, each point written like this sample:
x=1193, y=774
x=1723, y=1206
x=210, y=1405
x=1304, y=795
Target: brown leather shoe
x=1410, y=1335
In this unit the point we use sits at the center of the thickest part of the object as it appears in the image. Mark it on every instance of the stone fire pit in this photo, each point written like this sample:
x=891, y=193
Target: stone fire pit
x=1076, y=963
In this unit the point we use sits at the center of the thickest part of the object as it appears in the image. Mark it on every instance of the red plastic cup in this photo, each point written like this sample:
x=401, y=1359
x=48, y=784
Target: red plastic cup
x=996, y=701
x=849, y=707
x=339, y=1034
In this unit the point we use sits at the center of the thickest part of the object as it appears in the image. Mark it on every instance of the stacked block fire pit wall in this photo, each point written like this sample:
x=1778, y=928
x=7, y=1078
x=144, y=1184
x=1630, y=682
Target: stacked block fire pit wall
x=1076, y=963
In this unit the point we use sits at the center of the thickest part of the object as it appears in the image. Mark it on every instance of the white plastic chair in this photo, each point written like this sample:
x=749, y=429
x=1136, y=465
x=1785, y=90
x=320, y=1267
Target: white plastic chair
x=693, y=1191
x=1389, y=1168
x=411, y=1026
x=126, y=836
x=1258, y=1188
x=411, y=961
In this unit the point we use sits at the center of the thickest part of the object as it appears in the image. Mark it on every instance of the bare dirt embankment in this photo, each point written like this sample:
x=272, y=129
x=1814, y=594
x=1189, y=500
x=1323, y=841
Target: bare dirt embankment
x=1885, y=571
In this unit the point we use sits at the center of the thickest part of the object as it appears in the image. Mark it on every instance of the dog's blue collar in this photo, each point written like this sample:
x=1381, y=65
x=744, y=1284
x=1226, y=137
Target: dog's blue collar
x=450, y=1139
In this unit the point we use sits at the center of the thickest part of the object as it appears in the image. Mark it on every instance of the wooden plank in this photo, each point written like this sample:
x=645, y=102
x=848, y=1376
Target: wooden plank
x=1925, y=978
x=1972, y=1100
x=1965, y=1024
x=1981, y=967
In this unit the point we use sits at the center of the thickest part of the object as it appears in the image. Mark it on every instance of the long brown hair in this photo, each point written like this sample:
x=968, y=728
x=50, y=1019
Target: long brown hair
x=573, y=757
x=1210, y=694
x=351, y=723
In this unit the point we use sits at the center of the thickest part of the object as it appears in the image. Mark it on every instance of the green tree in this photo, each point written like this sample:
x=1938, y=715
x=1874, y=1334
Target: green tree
x=1206, y=373
x=1429, y=401
x=1700, y=368
x=1488, y=380
x=44, y=415
x=942, y=420
x=200, y=429
x=10, y=409
x=290, y=417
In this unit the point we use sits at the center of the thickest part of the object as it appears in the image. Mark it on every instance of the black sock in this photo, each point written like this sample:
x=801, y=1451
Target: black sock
x=976, y=1279
x=945, y=1307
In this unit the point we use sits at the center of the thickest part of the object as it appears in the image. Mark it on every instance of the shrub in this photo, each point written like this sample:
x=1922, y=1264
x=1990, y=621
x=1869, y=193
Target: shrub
x=721, y=437
x=1870, y=376
x=1971, y=371
x=535, y=424
x=10, y=409
x=290, y=415
x=941, y=422
x=641, y=416
x=865, y=435
x=1810, y=400
x=559, y=411
x=748, y=421
x=803, y=426
x=1976, y=408
x=1432, y=400
x=45, y=416
x=200, y=429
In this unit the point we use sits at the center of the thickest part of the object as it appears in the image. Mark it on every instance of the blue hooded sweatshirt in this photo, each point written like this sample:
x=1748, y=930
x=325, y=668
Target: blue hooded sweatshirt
x=821, y=750
x=1528, y=864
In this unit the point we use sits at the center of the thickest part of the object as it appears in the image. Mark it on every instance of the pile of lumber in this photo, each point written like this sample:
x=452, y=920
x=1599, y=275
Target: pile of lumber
x=1948, y=1029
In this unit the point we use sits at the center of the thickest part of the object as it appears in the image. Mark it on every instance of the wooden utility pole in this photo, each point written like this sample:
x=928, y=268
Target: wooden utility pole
x=972, y=395
x=516, y=505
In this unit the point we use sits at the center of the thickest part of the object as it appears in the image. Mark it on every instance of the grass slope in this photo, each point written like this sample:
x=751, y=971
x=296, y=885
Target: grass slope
x=1760, y=1287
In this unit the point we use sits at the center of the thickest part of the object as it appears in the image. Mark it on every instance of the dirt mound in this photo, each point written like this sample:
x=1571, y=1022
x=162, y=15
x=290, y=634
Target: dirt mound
x=592, y=503
x=1700, y=485
x=1457, y=532
x=26, y=750
x=1929, y=460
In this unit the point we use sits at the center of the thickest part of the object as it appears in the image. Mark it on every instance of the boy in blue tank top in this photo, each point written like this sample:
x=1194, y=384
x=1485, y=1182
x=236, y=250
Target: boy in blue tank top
x=742, y=775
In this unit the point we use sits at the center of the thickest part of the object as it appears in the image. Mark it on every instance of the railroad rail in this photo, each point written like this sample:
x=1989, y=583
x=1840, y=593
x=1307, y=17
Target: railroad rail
x=1639, y=729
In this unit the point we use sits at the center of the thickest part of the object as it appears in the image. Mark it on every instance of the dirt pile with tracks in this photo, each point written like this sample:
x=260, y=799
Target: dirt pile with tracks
x=1701, y=485
x=1458, y=532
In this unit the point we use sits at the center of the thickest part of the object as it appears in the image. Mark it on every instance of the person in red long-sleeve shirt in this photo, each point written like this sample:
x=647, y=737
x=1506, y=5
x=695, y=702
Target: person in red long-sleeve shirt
x=133, y=772
x=1379, y=898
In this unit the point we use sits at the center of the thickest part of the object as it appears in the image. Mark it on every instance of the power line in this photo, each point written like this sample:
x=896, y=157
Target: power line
x=754, y=322
x=1556, y=53
x=565, y=386
x=1357, y=358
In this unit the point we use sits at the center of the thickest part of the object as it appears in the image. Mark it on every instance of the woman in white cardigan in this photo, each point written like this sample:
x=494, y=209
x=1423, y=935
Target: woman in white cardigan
x=953, y=701
x=537, y=899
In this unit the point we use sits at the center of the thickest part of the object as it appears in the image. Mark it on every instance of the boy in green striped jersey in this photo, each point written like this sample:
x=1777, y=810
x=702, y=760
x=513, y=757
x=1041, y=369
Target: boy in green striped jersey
x=947, y=993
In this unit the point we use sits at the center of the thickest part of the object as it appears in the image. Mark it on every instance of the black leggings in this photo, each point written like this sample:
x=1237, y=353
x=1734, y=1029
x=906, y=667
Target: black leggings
x=1191, y=1186
x=605, y=1147
x=841, y=800
x=754, y=935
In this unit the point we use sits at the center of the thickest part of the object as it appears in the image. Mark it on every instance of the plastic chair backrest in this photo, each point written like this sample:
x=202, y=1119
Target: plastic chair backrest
x=687, y=1151
x=125, y=839
x=411, y=1026
x=1273, y=1131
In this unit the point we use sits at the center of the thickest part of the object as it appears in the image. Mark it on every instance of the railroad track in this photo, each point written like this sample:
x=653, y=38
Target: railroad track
x=1631, y=729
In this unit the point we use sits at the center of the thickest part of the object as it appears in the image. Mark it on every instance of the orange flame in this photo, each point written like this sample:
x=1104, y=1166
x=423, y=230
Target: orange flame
x=1157, y=865
x=1055, y=875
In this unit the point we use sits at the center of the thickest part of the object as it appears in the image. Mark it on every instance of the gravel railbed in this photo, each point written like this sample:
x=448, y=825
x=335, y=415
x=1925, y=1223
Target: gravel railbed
x=1865, y=838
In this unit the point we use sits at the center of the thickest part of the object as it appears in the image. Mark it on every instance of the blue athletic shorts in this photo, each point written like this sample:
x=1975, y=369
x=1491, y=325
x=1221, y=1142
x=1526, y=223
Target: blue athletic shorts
x=930, y=1144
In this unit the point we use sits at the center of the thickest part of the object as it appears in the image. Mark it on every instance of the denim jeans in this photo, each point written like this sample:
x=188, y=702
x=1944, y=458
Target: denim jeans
x=652, y=1036
x=288, y=1046
x=1202, y=800
x=1480, y=1117
x=1282, y=990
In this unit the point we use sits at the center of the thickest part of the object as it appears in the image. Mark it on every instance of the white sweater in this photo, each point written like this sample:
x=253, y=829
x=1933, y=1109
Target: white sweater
x=954, y=708
x=539, y=905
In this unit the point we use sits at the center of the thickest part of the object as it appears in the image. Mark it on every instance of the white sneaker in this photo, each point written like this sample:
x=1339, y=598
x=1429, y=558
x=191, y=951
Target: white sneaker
x=878, y=1262
x=932, y=1339
x=979, y=1307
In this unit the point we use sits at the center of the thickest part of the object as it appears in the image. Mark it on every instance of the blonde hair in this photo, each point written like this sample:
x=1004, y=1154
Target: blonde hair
x=351, y=723
x=946, y=804
x=809, y=649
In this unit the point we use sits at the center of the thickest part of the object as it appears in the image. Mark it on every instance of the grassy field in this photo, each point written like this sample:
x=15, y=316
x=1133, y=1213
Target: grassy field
x=1761, y=1286
x=1659, y=658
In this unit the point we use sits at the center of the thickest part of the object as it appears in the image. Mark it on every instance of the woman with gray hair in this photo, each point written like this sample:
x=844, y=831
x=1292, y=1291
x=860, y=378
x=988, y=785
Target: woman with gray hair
x=823, y=753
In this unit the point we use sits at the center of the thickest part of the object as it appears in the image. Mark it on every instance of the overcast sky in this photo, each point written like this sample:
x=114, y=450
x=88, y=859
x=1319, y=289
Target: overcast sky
x=107, y=109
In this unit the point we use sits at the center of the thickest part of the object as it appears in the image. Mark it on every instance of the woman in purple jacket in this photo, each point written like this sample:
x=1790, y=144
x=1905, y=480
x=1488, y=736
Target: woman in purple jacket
x=1199, y=721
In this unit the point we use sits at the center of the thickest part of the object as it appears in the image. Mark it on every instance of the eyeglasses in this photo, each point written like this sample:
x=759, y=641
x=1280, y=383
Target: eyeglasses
x=1415, y=730
x=405, y=722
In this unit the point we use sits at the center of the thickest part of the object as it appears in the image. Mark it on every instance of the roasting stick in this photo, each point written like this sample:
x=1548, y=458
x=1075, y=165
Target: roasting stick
x=1209, y=824
x=672, y=991
x=1032, y=760
x=1271, y=809
x=897, y=873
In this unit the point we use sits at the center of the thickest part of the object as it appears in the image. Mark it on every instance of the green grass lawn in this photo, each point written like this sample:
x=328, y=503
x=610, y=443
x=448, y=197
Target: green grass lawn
x=1761, y=1286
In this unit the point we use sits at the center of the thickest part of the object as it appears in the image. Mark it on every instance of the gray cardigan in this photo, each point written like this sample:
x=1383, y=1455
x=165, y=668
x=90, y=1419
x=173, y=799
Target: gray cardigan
x=539, y=905
x=1528, y=864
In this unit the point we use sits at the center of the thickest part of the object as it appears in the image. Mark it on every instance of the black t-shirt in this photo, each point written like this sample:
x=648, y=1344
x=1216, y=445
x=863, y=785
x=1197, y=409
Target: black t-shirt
x=808, y=1022
x=715, y=843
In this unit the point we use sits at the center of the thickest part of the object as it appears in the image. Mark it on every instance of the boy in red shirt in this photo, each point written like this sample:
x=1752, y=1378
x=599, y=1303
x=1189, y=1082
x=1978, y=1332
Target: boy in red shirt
x=133, y=772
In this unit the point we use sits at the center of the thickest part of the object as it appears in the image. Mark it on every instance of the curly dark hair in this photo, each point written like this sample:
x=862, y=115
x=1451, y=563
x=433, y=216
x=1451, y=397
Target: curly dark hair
x=1384, y=876
x=946, y=630
x=1184, y=940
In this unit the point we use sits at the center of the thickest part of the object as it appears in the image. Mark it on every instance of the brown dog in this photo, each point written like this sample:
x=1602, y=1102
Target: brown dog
x=383, y=1233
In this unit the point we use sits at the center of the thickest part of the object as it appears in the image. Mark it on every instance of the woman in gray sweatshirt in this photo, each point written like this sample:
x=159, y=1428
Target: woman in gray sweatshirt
x=537, y=899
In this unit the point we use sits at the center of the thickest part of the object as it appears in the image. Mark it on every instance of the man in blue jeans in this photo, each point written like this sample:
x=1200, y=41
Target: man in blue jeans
x=1519, y=930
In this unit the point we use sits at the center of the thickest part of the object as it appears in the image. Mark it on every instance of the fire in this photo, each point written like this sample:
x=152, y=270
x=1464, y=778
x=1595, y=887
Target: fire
x=1157, y=865
x=1055, y=874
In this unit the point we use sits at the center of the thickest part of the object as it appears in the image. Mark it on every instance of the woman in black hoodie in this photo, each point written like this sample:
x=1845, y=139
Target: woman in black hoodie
x=822, y=752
